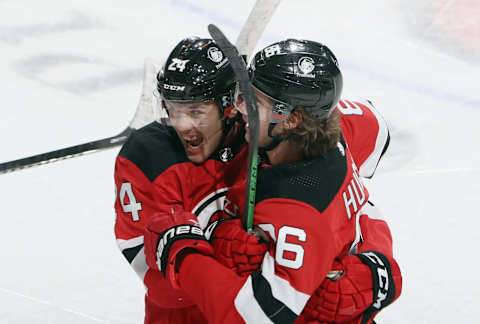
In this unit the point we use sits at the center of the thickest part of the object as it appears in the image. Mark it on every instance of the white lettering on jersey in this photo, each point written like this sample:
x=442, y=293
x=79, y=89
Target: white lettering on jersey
x=347, y=107
x=132, y=206
x=282, y=246
x=177, y=64
x=352, y=201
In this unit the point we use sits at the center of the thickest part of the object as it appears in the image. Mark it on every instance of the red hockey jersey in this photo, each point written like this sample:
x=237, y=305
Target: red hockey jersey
x=309, y=210
x=153, y=173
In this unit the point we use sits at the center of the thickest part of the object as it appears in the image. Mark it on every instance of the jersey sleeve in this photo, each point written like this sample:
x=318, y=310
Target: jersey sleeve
x=366, y=133
x=376, y=236
x=137, y=199
x=301, y=252
x=375, y=232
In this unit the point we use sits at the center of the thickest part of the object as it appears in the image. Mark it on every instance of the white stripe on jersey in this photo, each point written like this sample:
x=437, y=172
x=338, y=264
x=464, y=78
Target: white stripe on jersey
x=206, y=213
x=367, y=169
x=248, y=307
x=358, y=231
x=371, y=211
x=281, y=288
x=139, y=263
x=126, y=244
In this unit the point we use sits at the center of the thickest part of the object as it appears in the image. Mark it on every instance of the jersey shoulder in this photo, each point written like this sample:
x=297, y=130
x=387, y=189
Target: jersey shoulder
x=366, y=133
x=315, y=182
x=153, y=149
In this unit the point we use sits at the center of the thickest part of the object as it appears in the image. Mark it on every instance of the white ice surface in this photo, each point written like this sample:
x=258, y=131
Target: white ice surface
x=71, y=72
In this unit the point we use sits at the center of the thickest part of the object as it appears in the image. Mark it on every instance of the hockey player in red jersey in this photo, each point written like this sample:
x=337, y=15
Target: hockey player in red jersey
x=299, y=196
x=185, y=167
x=154, y=171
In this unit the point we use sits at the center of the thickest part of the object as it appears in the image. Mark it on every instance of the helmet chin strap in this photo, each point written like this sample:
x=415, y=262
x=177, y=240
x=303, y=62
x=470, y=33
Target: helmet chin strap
x=276, y=140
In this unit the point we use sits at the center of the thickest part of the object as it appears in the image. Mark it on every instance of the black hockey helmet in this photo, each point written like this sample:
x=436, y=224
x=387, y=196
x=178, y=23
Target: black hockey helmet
x=297, y=73
x=197, y=70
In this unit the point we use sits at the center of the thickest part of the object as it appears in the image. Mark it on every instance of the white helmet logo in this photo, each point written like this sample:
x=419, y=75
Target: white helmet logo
x=215, y=54
x=306, y=65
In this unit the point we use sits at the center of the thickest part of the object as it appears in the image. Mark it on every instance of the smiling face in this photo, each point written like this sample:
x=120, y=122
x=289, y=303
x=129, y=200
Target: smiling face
x=198, y=126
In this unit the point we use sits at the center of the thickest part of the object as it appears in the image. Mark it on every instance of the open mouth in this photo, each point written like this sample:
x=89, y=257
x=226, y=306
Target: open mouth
x=193, y=141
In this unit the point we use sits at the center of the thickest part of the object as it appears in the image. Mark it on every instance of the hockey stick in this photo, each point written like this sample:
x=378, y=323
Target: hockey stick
x=143, y=115
x=240, y=70
x=258, y=19
x=65, y=153
x=247, y=39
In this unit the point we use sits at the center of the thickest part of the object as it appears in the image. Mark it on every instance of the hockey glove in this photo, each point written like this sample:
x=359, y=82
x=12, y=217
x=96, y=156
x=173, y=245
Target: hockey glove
x=168, y=237
x=235, y=248
x=366, y=286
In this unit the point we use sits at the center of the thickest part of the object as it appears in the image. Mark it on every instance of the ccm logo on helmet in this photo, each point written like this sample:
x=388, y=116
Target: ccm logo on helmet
x=173, y=87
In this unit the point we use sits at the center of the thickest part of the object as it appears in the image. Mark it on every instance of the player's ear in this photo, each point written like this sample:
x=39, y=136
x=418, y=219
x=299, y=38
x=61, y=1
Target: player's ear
x=293, y=120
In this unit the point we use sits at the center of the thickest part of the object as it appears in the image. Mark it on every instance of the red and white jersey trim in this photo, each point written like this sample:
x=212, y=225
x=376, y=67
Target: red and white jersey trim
x=281, y=288
x=372, y=212
x=247, y=305
x=212, y=203
x=139, y=263
x=126, y=244
x=367, y=169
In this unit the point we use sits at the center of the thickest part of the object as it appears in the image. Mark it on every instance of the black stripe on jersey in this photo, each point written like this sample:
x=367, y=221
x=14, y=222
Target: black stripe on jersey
x=209, y=201
x=387, y=143
x=384, y=150
x=132, y=252
x=153, y=149
x=277, y=311
x=315, y=181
